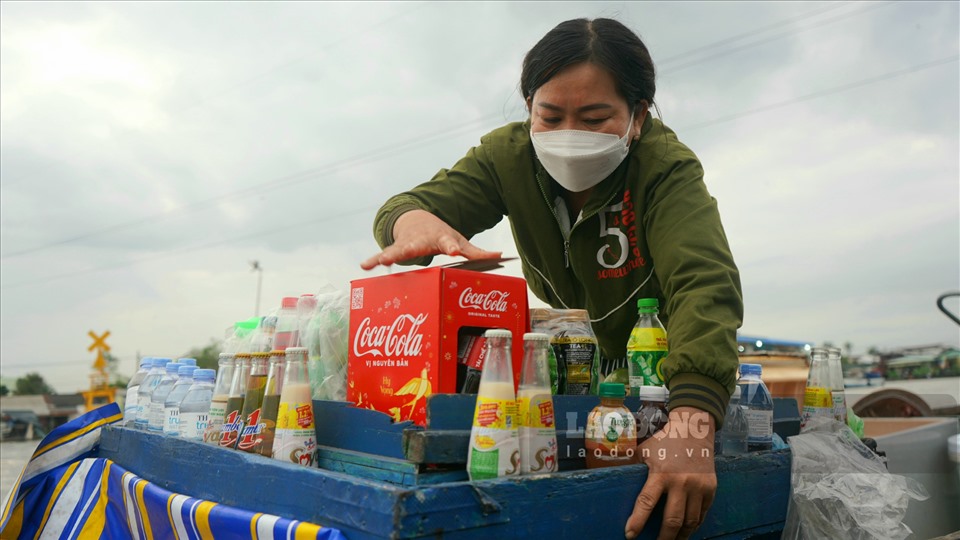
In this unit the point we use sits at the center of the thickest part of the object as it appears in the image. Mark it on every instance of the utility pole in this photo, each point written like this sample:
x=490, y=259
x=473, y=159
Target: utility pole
x=255, y=267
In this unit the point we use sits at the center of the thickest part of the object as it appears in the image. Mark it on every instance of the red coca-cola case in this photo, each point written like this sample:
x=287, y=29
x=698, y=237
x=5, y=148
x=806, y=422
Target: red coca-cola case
x=404, y=331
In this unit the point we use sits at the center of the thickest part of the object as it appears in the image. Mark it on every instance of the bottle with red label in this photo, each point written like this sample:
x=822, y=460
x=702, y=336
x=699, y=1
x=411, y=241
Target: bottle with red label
x=295, y=439
x=271, y=402
x=232, y=421
x=252, y=414
x=494, y=444
x=537, y=432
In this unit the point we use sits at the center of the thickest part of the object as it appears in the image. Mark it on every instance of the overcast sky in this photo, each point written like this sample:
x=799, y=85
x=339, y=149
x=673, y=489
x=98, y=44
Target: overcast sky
x=149, y=151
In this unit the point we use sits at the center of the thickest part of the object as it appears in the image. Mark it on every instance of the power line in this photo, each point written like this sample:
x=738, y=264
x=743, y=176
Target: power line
x=825, y=92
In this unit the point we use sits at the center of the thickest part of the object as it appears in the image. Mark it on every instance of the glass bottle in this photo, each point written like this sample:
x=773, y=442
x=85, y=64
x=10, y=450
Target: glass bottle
x=494, y=445
x=817, y=398
x=652, y=415
x=250, y=435
x=271, y=402
x=226, y=364
x=837, y=392
x=537, y=431
x=295, y=439
x=232, y=422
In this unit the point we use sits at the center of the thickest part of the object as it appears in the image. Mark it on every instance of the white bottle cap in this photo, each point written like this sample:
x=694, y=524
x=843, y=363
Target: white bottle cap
x=498, y=333
x=653, y=393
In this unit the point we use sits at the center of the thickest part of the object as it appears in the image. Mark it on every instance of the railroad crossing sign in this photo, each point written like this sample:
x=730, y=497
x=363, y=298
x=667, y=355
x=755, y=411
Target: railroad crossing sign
x=100, y=344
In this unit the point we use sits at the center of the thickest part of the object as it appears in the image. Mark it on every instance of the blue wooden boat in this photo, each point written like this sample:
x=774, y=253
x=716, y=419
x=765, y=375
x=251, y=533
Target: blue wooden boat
x=384, y=480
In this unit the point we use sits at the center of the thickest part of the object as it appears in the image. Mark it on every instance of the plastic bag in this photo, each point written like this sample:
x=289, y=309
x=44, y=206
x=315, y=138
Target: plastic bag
x=326, y=337
x=842, y=489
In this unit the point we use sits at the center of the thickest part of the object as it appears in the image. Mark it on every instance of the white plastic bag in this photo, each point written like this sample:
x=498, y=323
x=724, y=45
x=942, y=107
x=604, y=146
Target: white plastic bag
x=327, y=340
x=842, y=489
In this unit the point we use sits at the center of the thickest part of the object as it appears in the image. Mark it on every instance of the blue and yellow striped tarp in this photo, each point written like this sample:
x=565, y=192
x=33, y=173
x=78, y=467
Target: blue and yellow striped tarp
x=66, y=492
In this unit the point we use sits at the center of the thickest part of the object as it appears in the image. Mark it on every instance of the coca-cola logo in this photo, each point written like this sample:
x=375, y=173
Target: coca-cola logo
x=401, y=338
x=491, y=301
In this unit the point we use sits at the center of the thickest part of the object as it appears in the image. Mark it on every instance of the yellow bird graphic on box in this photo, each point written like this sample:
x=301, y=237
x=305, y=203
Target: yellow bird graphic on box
x=418, y=386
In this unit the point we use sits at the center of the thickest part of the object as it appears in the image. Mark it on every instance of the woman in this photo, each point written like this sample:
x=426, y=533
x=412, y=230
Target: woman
x=606, y=206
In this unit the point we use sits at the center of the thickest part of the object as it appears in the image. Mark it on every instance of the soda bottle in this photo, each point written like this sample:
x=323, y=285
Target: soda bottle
x=171, y=406
x=837, y=392
x=232, y=422
x=733, y=436
x=817, y=398
x=271, y=402
x=218, y=403
x=610, y=436
x=646, y=347
x=133, y=388
x=250, y=435
x=537, y=431
x=159, y=397
x=145, y=392
x=757, y=407
x=288, y=324
x=187, y=361
x=494, y=444
x=295, y=439
x=652, y=415
x=195, y=406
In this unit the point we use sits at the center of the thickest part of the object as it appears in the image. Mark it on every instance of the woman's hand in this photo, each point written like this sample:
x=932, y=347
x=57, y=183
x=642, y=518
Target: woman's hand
x=680, y=459
x=419, y=233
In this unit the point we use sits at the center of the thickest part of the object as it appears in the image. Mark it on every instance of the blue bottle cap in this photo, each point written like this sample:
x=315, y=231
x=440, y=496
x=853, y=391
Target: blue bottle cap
x=172, y=368
x=146, y=362
x=186, y=371
x=204, y=375
x=751, y=369
x=161, y=362
x=187, y=361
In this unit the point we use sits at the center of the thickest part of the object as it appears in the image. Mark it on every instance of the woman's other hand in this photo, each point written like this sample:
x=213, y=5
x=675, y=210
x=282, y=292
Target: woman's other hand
x=680, y=460
x=419, y=233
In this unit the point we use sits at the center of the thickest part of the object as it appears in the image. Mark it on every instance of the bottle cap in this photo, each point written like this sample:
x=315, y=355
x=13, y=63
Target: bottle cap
x=161, y=362
x=187, y=361
x=204, y=375
x=535, y=336
x=289, y=302
x=226, y=356
x=653, y=393
x=186, y=371
x=146, y=362
x=648, y=304
x=750, y=369
x=297, y=353
x=612, y=389
x=498, y=333
x=172, y=368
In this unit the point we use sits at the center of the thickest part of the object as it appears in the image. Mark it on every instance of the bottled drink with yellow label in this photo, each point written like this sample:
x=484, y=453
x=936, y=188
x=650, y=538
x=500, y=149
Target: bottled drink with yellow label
x=494, y=444
x=646, y=347
x=818, y=398
x=538, y=434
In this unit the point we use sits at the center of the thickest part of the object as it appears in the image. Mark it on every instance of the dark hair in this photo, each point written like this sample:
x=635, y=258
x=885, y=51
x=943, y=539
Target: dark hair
x=604, y=42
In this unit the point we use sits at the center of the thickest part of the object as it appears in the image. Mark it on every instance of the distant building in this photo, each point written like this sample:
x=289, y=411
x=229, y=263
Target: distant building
x=50, y=410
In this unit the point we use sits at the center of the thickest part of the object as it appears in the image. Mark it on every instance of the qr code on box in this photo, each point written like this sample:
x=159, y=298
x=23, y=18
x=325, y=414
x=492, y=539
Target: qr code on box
x=356, y=298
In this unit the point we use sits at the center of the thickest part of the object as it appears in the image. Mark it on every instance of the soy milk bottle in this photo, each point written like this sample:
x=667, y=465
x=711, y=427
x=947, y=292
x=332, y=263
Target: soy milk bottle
x=494, y=443
x=537, y=431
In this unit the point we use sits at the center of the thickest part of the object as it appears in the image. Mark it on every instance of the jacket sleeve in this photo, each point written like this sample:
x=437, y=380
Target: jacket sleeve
x=467, y=197
x=701, y=285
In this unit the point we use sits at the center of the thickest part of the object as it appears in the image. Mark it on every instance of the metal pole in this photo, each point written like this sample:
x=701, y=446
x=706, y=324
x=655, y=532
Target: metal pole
x=255, y=266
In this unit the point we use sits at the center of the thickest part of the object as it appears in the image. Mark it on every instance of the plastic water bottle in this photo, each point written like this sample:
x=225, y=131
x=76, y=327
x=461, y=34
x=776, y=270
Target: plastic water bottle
x=646, y=347
x=196, y=405
x=736, y=430
x=159, y=397
x=757, y=407
x=171, y=407
x=133, y=390
x=145, y=392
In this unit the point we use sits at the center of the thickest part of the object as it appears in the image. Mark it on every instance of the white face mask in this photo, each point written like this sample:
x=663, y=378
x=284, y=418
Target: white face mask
x=579, y=160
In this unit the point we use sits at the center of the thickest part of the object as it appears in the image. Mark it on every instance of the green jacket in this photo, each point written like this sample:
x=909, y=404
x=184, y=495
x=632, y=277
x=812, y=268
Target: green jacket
x=649, y=230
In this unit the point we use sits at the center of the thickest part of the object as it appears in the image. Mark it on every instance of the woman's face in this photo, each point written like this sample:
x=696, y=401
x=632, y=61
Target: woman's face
x=583, y=97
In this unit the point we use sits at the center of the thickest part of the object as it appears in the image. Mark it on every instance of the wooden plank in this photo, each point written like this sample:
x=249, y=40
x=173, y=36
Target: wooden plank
x=396, y=471
x=341, y=425
x=753, y=492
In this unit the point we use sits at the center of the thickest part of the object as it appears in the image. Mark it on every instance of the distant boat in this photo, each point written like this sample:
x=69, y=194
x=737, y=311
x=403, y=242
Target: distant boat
x=20, y=426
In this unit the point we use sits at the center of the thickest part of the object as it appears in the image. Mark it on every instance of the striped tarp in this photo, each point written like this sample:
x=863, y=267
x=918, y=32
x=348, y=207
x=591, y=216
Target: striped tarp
x=66, y=492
